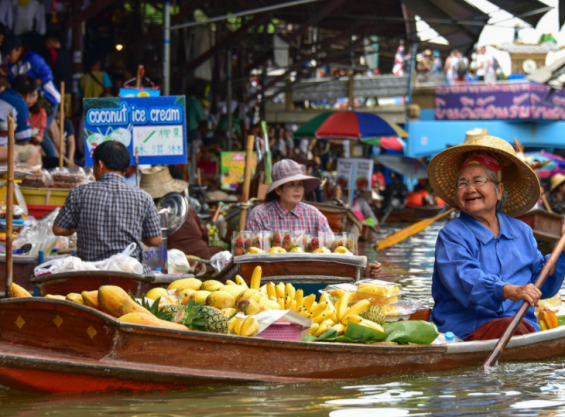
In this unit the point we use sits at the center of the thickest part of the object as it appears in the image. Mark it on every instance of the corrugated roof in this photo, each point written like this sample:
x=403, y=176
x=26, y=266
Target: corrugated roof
x=530, y=11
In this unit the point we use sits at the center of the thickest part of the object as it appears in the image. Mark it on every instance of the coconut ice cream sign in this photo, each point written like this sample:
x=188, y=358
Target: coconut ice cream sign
x=156, y=126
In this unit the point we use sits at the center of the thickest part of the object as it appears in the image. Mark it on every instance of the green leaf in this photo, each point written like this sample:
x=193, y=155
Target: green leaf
x=328, y=336
x=411, y=331
x=363, y=334
x=309, y=338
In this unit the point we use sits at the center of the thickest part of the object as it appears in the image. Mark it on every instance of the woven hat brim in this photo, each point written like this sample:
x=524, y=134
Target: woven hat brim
x=520, y=181
x=159, y=190
x=557, y=184
x=310, y=183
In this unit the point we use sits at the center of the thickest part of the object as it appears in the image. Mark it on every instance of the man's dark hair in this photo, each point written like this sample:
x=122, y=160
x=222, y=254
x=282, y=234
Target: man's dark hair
x=3, y=30
x=24, y=84
x=4, y=81
x=114, y=155
x=176, y=172
x=10, y=43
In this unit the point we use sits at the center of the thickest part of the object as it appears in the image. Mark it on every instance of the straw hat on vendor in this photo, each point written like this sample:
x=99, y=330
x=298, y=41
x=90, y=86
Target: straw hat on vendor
x=556, y=196
x=158, y=182
x=486, y=261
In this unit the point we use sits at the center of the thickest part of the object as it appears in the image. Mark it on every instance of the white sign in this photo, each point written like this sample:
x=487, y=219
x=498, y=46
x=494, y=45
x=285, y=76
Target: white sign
x=159, y=140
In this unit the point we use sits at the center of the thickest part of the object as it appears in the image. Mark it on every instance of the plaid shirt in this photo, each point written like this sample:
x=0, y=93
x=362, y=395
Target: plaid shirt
x=109, y=215
x=273, y=217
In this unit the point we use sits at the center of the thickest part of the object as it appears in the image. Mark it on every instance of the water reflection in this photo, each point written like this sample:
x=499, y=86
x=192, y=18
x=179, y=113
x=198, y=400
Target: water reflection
x=523, y=389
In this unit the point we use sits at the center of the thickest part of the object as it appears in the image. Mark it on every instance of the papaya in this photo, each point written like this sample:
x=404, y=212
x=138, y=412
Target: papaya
x=75, y=298
x=56, y=297
x=150, y=320
x=155, y=293
x=184, y=295
x=16, y=291
x=90, y=299
x=185, y=283
x=116, y=302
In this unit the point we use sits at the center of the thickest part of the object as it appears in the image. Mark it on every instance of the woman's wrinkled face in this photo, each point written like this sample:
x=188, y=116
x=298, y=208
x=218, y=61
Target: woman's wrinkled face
x=477, y=201
x=291, y=192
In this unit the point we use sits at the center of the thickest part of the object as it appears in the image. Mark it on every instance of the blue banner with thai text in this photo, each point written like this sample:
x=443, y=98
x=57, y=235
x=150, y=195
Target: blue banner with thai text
x=156, y=126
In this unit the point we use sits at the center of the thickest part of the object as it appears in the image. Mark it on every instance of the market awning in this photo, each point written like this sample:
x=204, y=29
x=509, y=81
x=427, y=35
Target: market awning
x=530, y=11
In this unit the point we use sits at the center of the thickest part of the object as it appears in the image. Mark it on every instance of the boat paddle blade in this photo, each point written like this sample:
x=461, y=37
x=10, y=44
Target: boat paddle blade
x=410, y=230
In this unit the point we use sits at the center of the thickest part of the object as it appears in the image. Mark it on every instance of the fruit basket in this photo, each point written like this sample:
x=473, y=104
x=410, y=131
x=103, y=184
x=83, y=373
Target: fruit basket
x=282, y=331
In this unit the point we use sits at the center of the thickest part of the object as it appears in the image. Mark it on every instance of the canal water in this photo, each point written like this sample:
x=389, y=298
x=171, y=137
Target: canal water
x=528, y=389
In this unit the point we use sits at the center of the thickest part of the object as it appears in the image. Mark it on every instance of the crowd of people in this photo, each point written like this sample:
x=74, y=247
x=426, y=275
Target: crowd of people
x=456, y=69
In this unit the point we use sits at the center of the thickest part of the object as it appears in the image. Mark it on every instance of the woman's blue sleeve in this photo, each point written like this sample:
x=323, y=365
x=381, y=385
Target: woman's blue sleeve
x=460, y=272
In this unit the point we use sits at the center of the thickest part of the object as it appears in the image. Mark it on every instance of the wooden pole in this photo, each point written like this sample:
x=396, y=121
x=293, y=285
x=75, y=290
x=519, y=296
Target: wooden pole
x=511, y=329
x=10, y=201
x=139, y=76
x=246, y=180
x=62, y=126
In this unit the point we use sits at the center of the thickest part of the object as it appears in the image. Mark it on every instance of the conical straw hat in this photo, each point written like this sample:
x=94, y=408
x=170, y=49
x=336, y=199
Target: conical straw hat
x=158, y=182
x=520, y=181
x=475, y=133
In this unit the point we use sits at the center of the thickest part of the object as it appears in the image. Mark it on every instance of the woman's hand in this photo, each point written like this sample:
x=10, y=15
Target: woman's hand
x=373, y=270
x=526, y=292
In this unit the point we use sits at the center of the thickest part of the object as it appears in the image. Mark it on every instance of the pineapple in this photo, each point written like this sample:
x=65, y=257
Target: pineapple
x=200, y=317
x=192, y=315
x=374, y=314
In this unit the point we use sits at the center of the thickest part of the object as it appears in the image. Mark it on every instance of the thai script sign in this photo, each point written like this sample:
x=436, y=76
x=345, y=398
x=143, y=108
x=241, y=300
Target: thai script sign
x=499, y=101
x=155, y=125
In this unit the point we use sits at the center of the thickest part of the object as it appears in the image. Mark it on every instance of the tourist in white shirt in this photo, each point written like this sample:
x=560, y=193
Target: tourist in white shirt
x=485, y=65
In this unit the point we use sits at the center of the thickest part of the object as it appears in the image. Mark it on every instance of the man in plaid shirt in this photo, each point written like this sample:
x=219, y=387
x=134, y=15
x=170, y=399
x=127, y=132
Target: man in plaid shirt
x=109, y=214
x=285, y=211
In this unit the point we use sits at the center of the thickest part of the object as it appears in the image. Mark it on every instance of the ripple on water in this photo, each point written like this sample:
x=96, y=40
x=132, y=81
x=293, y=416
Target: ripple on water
x=528, y=389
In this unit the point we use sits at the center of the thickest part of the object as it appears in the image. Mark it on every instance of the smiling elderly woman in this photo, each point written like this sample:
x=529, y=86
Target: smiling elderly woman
x=486, y=261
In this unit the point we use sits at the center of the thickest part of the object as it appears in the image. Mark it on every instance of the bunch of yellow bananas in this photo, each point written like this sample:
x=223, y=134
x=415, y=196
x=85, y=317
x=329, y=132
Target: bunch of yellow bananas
x=325, y=315
x=244, y=326
x=253, y=249
x=343, y=250
x=276, y=249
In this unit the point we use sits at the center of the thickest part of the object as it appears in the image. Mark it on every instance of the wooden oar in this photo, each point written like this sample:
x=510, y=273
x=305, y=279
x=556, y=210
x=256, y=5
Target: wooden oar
x=503, y=341
x=10, y=202
x=410, y=230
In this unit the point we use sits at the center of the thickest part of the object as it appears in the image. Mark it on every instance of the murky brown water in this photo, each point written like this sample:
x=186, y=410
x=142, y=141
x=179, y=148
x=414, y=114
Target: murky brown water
x=510, y=389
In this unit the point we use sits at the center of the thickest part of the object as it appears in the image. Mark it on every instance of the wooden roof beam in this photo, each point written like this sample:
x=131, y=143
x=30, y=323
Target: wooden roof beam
x=89, y=12
x=225, y=41
x=329, y=8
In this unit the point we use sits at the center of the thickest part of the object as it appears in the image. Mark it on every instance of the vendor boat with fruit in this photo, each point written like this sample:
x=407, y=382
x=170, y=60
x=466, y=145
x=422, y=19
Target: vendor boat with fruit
x=206, y=333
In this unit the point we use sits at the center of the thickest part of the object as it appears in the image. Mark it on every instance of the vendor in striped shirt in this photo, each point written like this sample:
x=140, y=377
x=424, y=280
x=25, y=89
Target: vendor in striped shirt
x=284, y=209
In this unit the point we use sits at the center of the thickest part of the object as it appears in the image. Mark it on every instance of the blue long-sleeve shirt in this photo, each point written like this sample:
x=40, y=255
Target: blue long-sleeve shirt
x=35, y=66
x=472, y=266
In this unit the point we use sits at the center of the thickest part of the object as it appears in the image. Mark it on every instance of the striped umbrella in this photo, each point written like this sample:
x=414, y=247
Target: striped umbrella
x=350, y=125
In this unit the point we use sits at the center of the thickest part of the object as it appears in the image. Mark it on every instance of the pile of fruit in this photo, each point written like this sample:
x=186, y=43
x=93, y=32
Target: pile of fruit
x=230, y=308
x=277, y=242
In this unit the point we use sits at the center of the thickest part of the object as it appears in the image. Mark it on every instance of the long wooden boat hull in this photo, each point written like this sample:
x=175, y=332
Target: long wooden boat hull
x=303, y=268
x=78, y=281
x=56, y=346
x=23, y=272
x=412, y=214
x=546, y=226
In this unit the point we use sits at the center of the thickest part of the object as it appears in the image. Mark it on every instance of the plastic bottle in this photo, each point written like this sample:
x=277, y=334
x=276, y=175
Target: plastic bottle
x=449, y=337
x=157, y=271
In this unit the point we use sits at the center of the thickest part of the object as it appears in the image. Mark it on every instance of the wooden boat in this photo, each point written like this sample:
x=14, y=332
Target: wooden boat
x=412, y=214
x=340, y=219
x=546, y=226
x=78, y=281
x=54, y=346
x=23, y=271
x=303, y=268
